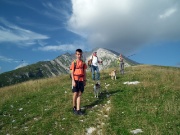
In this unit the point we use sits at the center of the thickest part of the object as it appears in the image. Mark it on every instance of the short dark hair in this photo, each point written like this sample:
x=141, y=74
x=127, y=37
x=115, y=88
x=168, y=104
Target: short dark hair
x=79, y=50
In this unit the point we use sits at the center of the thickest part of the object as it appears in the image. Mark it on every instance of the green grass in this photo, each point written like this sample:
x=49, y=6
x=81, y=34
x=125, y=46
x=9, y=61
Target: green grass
x=153, y=105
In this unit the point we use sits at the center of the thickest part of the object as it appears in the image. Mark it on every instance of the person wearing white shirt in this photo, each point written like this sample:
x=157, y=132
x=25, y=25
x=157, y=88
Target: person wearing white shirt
x=94, y=66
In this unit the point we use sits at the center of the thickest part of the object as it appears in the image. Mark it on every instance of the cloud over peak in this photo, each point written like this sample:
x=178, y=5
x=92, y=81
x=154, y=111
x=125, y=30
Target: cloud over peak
x=125, y=25
x=62, y=47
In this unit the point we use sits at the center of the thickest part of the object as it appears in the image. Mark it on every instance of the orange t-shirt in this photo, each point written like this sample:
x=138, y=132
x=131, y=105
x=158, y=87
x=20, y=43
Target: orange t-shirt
x=78, y=72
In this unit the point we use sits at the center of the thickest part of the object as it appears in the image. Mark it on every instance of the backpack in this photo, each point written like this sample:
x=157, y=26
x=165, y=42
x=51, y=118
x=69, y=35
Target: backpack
x=90, y=62
x=75, y=67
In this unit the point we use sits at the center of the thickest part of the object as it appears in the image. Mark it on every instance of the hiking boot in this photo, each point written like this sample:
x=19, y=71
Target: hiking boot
x=74, y=110
x=79, y=112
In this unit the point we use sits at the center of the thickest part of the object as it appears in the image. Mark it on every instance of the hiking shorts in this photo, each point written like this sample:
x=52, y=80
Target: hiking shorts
x=79, y=86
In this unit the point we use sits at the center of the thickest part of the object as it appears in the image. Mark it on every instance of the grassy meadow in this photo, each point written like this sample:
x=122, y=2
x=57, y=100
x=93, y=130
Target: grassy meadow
x=45, y=106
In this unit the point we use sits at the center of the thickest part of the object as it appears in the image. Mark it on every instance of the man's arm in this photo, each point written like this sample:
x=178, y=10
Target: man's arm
x=85, y=74
x=72, y=76
x=85, y=77
x=90, y=58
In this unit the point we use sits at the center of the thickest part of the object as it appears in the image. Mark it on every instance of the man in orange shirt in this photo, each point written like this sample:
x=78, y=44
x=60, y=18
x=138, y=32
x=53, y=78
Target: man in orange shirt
x=78, y=76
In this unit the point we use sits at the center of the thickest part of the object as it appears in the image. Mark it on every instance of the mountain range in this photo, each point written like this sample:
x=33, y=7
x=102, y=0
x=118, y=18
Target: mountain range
x=59, y=66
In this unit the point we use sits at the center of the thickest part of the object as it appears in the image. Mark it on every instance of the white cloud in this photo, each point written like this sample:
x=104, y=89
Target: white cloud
x=21, y=65
x=41, y=43
x=5, y=59
x=12, y=33
x=64, y=47
x=168, y=13
x=56, y=10
x=10, y=60
x=125, y=25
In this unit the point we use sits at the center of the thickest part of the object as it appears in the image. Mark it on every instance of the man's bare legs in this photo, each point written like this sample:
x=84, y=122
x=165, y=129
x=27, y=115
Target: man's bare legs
x=75, y=94
x=78, y=100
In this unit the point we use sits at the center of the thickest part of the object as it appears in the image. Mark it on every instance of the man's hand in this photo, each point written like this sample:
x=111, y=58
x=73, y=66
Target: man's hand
x=73, y=83
x=100, y=62
x=84, y=82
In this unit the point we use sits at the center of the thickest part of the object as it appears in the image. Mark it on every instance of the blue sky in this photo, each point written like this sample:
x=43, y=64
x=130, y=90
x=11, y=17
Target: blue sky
x=40, y=30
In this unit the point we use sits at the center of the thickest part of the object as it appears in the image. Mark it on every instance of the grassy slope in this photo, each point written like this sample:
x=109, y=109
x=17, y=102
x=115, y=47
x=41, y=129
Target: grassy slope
x=44, y=106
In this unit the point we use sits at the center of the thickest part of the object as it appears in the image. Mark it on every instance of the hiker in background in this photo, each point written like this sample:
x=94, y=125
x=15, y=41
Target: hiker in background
x=121, y=62
x=78, y=76
x=94, y=66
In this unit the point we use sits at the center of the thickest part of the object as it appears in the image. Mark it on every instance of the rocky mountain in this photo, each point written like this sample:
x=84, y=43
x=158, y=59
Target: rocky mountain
x=109, y=58
x=59, y=66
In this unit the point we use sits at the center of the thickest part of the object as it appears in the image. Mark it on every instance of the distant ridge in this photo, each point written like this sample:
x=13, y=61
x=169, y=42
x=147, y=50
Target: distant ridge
x=59, y=66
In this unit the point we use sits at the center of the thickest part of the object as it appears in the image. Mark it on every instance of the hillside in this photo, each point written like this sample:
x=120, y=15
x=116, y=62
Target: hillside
x=43, y=106
x=58, y=66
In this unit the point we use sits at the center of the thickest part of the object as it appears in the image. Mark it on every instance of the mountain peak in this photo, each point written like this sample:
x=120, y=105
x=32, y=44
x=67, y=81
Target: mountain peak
x=58, y=66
